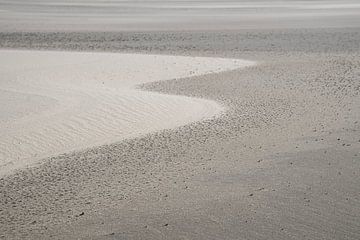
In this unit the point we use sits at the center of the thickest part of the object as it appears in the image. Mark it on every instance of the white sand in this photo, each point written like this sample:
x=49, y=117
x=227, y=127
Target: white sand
x=55, y=102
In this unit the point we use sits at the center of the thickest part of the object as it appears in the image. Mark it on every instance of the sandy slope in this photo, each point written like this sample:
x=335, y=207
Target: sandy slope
x=54, y=102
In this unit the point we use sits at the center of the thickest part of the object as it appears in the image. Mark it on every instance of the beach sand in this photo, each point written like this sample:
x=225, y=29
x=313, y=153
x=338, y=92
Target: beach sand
x=281, y=163
x=57, y=102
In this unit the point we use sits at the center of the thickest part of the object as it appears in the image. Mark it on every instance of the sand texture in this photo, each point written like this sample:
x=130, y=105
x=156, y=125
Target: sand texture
x=283, y=162
x=56, y=102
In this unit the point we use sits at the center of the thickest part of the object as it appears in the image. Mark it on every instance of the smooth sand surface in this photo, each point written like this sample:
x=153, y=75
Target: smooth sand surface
x=55, y=102
x=118, y=15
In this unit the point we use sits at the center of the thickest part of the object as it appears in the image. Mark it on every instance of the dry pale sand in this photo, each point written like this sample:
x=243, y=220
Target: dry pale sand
x=282, y=163
x=56, y=102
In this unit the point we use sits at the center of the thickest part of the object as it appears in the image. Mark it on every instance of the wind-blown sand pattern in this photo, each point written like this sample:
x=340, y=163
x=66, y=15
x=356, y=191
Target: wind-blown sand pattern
x=282, y=162
x=54, y=102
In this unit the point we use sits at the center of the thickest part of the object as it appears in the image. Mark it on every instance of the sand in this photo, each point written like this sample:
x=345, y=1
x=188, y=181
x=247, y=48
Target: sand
x=57, y=102
x=281, y=163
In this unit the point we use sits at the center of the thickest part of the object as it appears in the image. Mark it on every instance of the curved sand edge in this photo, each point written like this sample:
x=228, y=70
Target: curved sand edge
x=56, y=102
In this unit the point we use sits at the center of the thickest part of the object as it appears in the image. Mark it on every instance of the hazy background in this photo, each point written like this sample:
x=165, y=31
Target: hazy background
x=116, y=15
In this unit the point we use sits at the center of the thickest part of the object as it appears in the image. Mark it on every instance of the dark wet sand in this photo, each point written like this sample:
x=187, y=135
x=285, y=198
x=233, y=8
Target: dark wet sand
x=283, y=163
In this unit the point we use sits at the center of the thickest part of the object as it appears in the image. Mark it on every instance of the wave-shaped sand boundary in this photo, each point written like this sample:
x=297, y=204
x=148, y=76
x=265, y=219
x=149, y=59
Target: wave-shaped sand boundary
x=56, y=102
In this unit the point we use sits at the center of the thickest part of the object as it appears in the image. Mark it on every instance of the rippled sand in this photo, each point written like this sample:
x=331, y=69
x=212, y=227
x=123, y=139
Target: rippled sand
x=55, y=102
x=282, y=162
